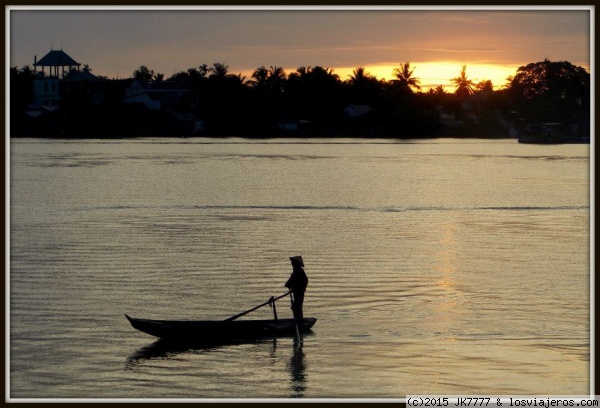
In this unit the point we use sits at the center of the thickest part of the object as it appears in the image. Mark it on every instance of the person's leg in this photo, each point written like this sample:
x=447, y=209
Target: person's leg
x=298, y=301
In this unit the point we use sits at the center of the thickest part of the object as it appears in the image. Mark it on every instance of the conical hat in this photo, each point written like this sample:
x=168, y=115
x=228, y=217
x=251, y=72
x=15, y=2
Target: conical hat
x=297, y=259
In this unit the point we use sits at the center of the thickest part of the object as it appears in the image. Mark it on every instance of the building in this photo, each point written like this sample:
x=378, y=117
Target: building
x=357, y=111
x=46, y=86
x=83, y=86
x=156, y=95
x=55, y=60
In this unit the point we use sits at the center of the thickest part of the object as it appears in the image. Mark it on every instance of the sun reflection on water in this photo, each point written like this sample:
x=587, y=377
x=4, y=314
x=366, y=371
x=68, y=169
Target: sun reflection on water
x=448, y=303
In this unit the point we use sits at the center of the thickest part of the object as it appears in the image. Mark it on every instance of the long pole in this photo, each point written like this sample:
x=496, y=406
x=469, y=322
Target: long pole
x=254, y=308
x=298, y=338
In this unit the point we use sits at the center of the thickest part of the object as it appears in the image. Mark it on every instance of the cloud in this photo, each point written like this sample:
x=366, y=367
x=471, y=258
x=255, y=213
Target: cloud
x=167, y=41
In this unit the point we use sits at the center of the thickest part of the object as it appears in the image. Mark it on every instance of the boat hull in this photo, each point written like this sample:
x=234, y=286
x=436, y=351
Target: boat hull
x=213, y=330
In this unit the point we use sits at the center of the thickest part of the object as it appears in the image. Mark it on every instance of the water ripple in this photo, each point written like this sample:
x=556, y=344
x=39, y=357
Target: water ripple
x=333, y=208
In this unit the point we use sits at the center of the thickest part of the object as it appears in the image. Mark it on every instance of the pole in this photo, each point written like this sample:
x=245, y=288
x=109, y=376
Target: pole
x=254, y=308
x=272, y=301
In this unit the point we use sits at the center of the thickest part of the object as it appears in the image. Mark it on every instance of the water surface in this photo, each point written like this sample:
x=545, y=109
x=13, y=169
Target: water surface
x=436, y=267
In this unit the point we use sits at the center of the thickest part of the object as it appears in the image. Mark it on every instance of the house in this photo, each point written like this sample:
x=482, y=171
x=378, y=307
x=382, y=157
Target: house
x=475, y=103
x=155, y=95
x=84, y=84
x=357, y=111
x=46, y=88
x=184, y=122
x=293, y=126
x=288, y=126
x=450, y=124
x=59, y=76
x=46, y=91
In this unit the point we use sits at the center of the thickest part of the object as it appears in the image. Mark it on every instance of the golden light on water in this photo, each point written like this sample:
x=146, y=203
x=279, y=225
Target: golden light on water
x=446, y=264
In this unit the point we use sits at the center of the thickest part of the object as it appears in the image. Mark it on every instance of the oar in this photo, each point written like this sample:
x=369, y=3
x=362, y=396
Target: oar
x=254, y=308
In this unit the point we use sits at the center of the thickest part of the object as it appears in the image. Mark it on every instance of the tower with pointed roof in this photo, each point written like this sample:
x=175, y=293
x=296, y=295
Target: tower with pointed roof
x=55, y=60
x=46, y=87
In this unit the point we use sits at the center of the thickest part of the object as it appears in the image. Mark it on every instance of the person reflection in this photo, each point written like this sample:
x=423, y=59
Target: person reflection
x=297, y=371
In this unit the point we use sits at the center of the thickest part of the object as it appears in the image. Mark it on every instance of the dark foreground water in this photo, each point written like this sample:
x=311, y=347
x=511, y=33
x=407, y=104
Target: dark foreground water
x=437, y=267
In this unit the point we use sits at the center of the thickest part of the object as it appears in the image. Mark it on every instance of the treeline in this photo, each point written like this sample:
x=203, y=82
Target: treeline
x=230, y=104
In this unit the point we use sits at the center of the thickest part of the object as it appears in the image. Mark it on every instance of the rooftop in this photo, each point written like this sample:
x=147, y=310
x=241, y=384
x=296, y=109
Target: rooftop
x=57, y=58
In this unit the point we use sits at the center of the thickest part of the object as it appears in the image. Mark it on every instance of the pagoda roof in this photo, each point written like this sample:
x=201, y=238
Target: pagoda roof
x=57, y=58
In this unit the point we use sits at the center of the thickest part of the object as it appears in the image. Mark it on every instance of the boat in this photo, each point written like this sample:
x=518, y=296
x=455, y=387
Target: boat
x=220, y=330
x=230, y=329
x=551, y=133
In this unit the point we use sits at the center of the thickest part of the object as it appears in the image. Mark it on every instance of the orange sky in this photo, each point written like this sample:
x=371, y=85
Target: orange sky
x=433, y=74
x=491, y=42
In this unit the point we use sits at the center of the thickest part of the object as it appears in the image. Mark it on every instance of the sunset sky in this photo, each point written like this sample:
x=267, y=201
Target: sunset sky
x=492, y=43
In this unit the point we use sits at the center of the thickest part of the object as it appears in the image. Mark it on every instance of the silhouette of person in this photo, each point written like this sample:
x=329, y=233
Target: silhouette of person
x=297, y=284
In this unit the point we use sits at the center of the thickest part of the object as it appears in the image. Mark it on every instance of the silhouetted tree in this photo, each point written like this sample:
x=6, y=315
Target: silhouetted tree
x=21, y=88
x=259, y=78
x=218, y=70
x=267, y=92
x=364, y=88
x=485, y=86
x=313, y=94
x=560, y=79
x=303, y=71
x=405, y=79
x=229, y=104
x=276, y=79
x=464, y=86
x=551, y=89
x=143, y=74
x=359, y=77
x=439, y=97
x=224, y=100
x=437, y=91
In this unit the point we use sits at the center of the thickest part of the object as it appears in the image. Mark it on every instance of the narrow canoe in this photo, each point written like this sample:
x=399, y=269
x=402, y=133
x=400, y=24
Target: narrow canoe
x=214, y=330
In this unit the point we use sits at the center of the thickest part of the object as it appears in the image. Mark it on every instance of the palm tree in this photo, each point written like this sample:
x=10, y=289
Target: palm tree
x=319, y=72
x=299, y=75
x=439, y=90
x=276, y=73
x=203, y=70
x=485, y=86
x=239, y=78
x=276, y=78
x=404, y=77
x=359, y=76
x=302, y=71
x=260, y=76
x=464, y=86
x=363, y=88
x=219, y=70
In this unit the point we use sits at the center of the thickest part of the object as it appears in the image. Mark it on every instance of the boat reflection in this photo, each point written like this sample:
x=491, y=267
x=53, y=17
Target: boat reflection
x=160, y=350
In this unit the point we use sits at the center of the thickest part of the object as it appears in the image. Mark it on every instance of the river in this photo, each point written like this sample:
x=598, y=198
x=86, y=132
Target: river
x=440, y=266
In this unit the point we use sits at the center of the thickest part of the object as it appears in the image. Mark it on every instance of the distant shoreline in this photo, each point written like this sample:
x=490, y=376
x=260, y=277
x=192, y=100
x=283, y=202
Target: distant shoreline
x=256, y=137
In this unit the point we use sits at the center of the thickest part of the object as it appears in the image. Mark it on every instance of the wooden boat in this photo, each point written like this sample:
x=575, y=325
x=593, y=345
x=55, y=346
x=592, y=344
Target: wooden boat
x=214, y=330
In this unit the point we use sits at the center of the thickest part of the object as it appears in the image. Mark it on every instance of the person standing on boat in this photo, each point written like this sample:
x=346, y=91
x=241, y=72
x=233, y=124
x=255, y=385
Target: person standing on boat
x=297, y=283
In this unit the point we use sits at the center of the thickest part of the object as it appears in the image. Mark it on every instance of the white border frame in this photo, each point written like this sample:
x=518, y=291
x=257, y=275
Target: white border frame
x=8, y=10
